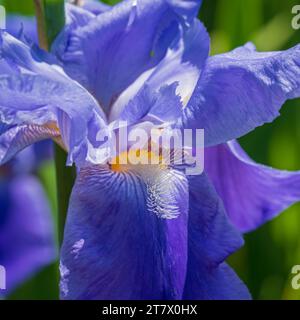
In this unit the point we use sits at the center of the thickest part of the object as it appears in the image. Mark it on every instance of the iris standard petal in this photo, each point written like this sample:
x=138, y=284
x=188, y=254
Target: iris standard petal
x=184, y=60
x=135, y=36
x=252, y=193
x=75, y=17
x=212, y=239
x=187, y=8
x=27, y=240
x=120, y=239
x=241, y=90
x=38, y=100
x=181, y=66
x=95, y=6
x=159, y=108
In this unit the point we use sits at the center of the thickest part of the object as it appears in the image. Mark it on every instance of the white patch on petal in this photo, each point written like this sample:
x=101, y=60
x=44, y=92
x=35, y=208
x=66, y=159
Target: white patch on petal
x=132, y=15
x=161, y=192
x=64, y=273
x=77, y=247
x=161, y=195
x=128, y=94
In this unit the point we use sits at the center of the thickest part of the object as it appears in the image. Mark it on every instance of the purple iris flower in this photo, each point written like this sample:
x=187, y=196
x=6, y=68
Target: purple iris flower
x=147, y=62
x=27, y=240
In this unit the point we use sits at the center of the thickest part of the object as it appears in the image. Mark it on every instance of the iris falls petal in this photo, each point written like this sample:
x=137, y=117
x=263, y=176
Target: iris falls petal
x=211, y=239
x=240, y=90
x=252, y=193
x=122, y=240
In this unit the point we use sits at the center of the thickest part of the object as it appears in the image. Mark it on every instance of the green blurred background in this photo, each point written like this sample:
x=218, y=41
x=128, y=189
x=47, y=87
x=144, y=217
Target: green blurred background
x=266, y=260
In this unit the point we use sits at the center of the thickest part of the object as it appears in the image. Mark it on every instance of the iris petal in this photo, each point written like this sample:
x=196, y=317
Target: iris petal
x=77, y=17
x=159, y=108
x=212, y=239
x=117, y=245
x=252, y=193
x=27, y=240
x=16, y=138
x=38, y=95
x=96, y=7
x=134, y=37
x=16, y=24
x=181, y=66
x=187, y=8
x=221, y=283
x=241, y=90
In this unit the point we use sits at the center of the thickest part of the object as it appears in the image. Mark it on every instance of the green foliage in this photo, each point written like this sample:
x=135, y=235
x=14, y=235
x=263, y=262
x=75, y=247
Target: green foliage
x=19, y=6
x=111, y=2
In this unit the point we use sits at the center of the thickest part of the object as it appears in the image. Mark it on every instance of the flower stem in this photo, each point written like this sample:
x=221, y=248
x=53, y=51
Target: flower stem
x=51, y=20
x=65, y=177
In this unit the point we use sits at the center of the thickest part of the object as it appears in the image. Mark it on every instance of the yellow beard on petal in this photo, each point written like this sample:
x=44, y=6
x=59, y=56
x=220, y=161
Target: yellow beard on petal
x=52, y=126
x=150, y=168
x=134, y=158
